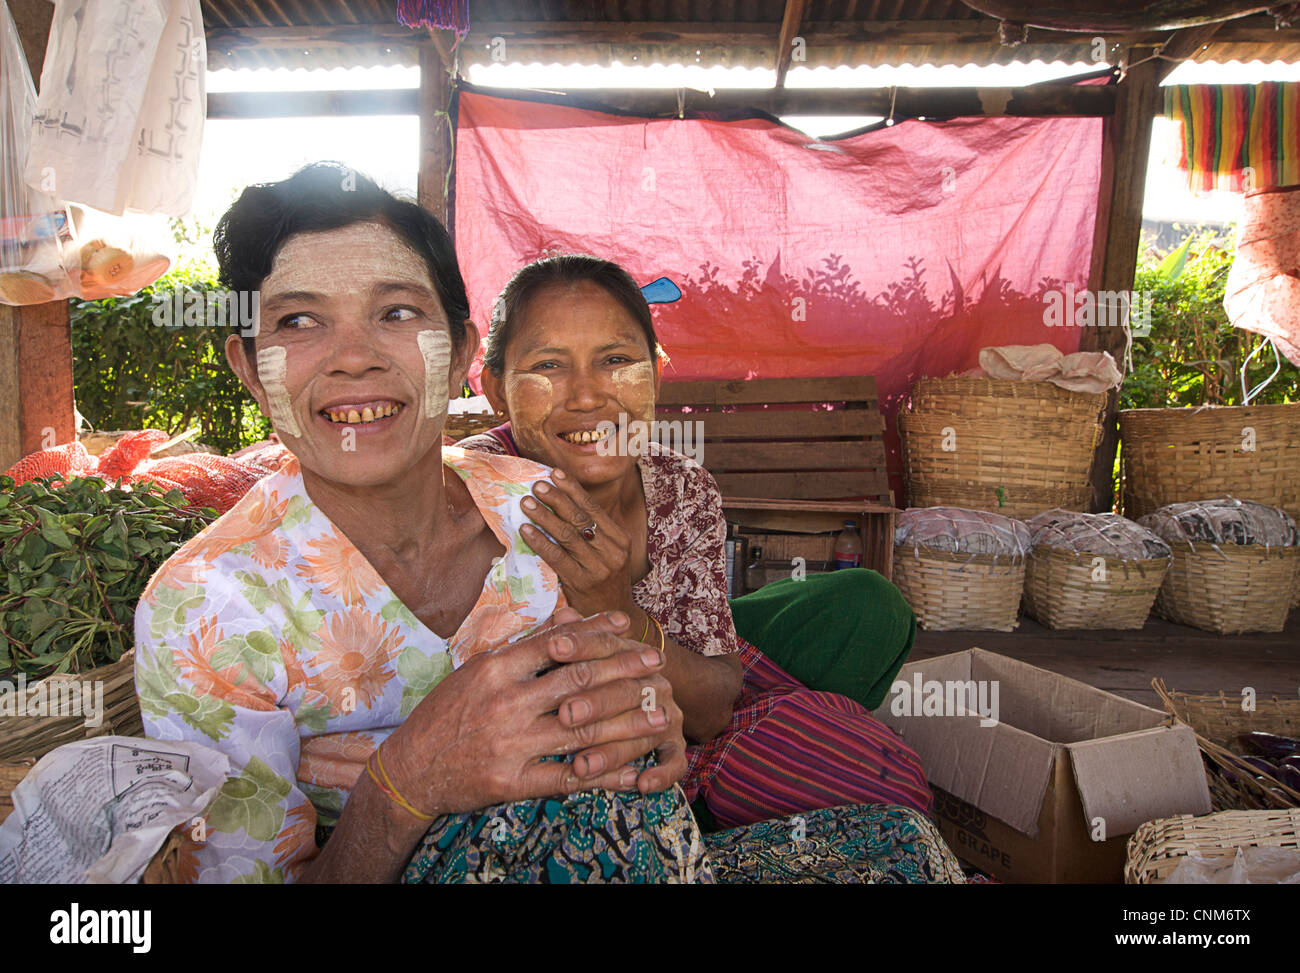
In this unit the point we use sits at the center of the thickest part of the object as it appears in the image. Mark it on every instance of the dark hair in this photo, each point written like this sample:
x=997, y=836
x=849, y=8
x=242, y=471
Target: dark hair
x=567, y=269
x=327, y=196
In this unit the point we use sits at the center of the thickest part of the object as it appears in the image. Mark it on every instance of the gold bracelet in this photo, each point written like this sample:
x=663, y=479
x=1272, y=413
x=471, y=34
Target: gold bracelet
x=646, y=631
x=392, y=791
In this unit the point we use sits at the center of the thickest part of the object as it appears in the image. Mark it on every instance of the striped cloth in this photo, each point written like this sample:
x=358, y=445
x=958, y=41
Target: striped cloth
x=1237, y=137
x=789, y=748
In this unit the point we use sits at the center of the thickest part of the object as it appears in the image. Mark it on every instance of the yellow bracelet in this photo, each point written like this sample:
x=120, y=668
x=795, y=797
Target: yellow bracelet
x=662, y=638
x=392, y=791
x=647, y=628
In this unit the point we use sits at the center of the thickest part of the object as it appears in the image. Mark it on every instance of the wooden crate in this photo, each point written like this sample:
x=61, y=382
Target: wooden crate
x=775, y=438
x=759, y=518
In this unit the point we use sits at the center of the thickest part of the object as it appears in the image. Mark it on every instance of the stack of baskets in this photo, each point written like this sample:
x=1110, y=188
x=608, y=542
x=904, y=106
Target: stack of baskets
x=1175, y=455
x=1092, y=570
x=1235, y=565
x=961, y=569
x=1017, y=448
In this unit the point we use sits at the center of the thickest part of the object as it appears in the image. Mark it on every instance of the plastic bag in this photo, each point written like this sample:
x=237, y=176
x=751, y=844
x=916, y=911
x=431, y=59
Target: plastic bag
x=114, y=256
x=119, y=121
x=33, y=230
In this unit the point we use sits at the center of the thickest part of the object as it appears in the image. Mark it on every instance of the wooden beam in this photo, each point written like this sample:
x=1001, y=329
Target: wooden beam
x=794, y=10
x=222, y=40
x=553, y=33
x=33, y=19
x=439, y=38
x=436, y=135
x=307, y=104
x=1035, y=101
x=1126, y=146
x=1183, y=45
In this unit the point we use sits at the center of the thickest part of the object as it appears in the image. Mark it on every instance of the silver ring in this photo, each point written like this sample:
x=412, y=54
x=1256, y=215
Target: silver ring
x=589, y=532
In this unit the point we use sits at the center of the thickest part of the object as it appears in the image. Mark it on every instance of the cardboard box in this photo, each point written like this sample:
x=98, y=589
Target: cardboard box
x=1048, y=783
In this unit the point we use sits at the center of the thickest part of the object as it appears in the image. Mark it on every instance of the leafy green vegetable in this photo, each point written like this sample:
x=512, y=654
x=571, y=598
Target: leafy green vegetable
x=74, y=560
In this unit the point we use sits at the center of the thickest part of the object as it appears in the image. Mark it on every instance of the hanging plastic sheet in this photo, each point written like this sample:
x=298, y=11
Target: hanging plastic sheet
x=897, y=252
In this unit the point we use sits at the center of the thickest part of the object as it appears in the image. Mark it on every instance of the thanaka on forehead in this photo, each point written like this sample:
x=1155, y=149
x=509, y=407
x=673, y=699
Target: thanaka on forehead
x=305, y=257
x=378, y=290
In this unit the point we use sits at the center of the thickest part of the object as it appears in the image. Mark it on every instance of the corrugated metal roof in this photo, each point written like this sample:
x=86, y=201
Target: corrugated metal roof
x=837, y=32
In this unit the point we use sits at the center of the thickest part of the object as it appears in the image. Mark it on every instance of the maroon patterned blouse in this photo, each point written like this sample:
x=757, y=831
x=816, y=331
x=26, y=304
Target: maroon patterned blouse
x=686, y=589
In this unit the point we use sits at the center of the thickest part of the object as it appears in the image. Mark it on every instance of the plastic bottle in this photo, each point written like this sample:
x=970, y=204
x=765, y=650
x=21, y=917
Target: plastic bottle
x=848, y=547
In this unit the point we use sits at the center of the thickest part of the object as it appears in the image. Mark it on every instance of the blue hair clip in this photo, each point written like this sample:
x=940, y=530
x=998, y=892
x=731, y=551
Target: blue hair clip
x=661, y=291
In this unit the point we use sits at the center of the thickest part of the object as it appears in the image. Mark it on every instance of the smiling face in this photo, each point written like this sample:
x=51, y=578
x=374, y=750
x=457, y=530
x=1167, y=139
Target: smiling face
x=576, y=358
x=354, y=358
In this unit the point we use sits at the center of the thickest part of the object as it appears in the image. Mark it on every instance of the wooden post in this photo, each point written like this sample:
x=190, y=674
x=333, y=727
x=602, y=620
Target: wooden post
x=436, y=135
x=36, y=379
x=36, y=407
x=1126, y=145
x=1126, y=148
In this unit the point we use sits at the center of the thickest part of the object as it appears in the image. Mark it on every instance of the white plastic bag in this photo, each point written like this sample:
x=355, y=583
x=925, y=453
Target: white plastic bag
x=113, y=256
x=119, y=120
x=33, y=230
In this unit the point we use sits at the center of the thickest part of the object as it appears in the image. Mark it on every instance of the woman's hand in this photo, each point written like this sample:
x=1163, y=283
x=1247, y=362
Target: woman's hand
x=478, y=738
x=595, y=571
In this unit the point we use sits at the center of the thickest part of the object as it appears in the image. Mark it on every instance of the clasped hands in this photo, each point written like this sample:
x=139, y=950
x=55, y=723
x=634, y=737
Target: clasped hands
x=581, y=686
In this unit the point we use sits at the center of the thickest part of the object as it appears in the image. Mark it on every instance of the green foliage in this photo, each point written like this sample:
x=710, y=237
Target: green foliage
x=133, y=374
x=74, y=560
x=1193, y=356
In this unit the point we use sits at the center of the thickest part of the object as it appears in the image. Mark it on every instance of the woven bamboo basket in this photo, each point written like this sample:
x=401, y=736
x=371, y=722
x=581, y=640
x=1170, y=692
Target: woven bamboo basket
x=461, y=426
x=1172, y=455
x=1217, y=721
x=1066, y=589
x=1231, y=588
x=1015, y=467
x=988, y=398
x=1156, y=847
x=35, y=736
x=11, y=774
x=960, y=591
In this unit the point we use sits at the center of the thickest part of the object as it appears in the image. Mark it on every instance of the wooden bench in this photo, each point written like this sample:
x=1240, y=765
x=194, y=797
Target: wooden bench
x=788, y=465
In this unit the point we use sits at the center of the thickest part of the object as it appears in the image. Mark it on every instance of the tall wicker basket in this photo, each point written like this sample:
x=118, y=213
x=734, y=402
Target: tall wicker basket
x=960, y=591
x=1065, y=589
x=1251, y=452
x=1016, y=448
x=1229, y=588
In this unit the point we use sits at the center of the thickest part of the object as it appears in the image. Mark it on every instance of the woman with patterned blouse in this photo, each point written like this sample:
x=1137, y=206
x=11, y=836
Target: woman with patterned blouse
x=572, y=354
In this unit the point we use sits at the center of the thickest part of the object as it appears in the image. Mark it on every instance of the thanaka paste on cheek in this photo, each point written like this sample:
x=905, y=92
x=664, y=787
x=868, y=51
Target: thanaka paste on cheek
x=636, y=389
x=530, y=399
x=272, y=368
x=435, y=349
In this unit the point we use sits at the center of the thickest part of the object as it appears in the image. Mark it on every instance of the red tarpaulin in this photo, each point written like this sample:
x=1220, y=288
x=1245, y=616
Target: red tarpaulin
x=898, y=253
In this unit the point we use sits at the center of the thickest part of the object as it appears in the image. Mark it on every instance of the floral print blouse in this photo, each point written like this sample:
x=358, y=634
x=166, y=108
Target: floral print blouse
x=270, y=637
x=686, y=589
